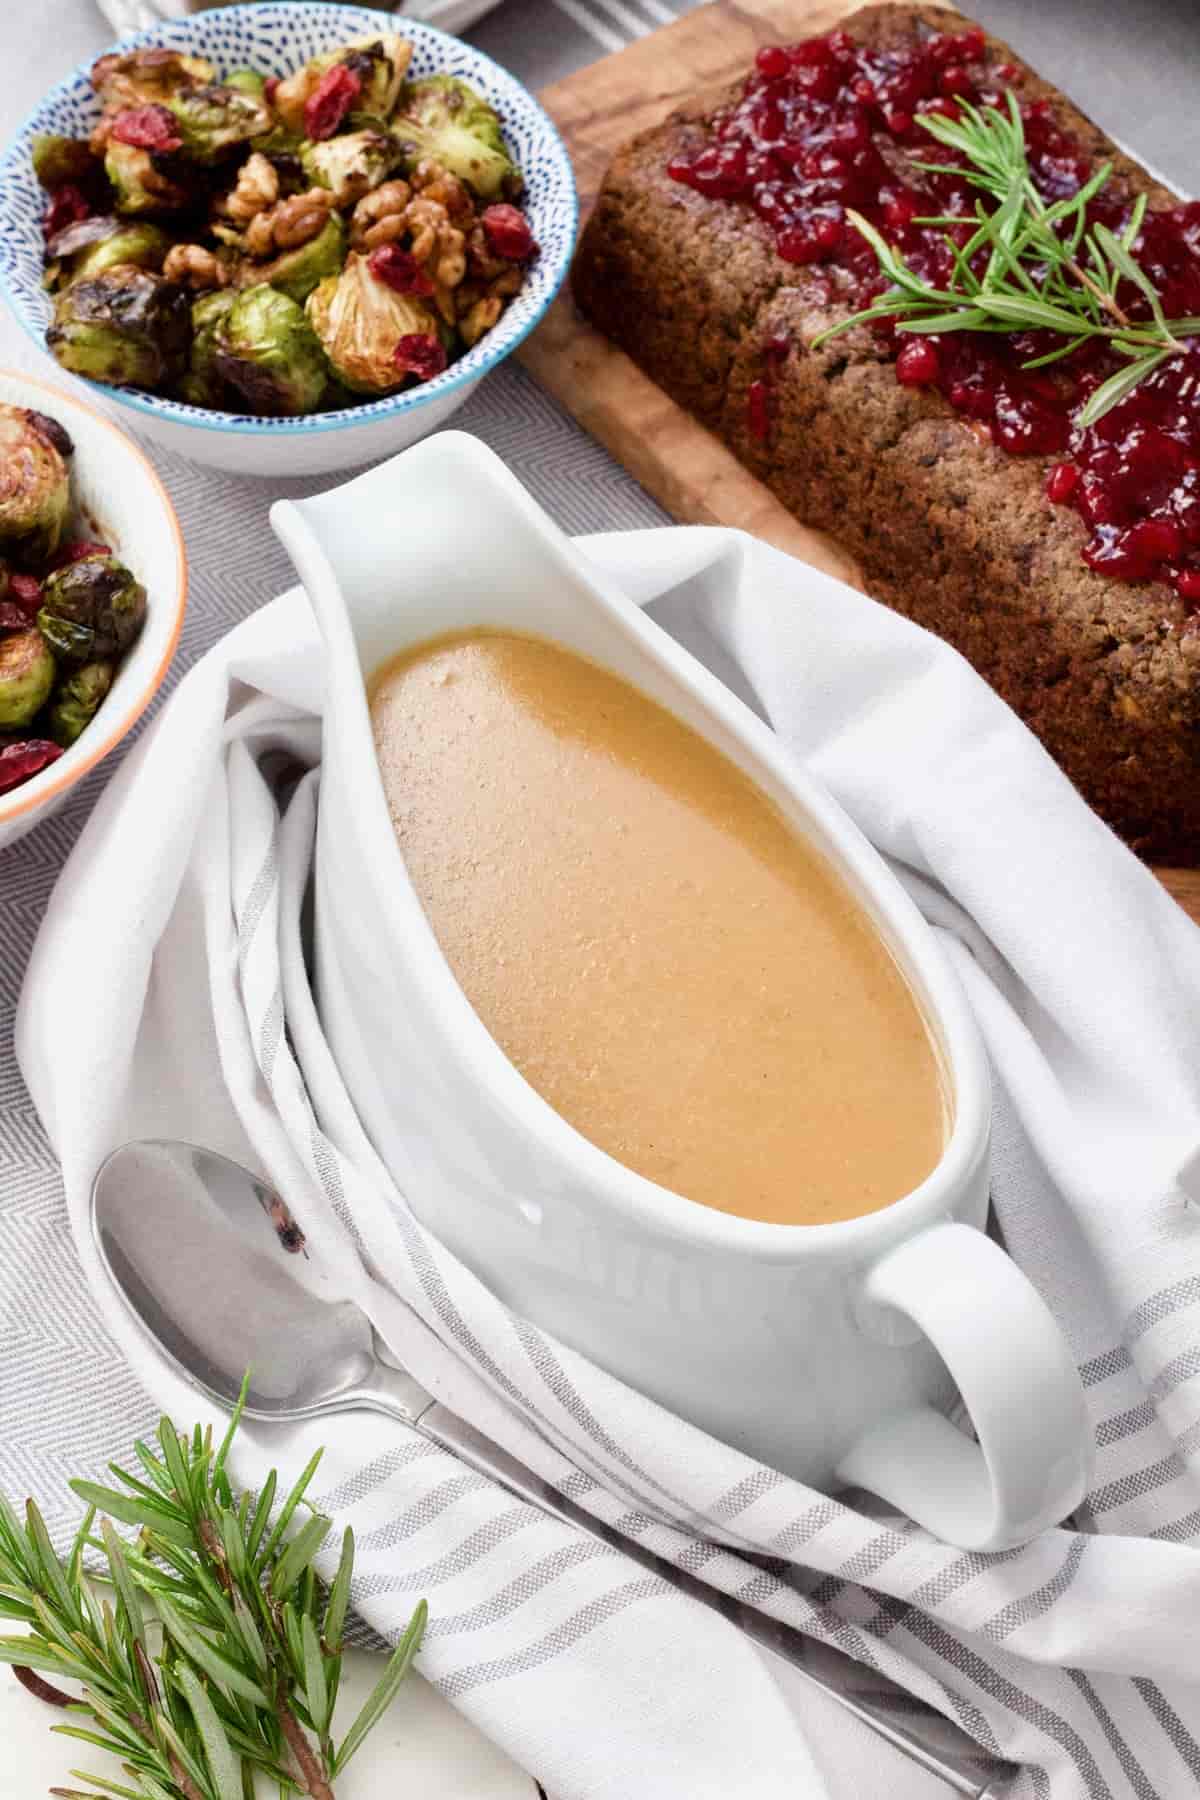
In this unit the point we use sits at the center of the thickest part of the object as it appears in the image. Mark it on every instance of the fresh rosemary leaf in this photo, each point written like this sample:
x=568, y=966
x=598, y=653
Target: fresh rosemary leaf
x=382, y=1695
x=135, y=1510
x=316, y=1692
x=289, y=1506
x=1114, y=390
x=206, y=1657
x=223, y=1766
x=298, y=1554
x=122, y=1582
x=339, y=1595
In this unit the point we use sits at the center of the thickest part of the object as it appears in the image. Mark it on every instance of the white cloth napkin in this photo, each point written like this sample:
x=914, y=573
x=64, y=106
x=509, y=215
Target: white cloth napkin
x=169, y=962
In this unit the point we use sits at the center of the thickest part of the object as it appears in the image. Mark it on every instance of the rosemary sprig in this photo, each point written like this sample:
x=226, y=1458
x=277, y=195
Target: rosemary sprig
x=217, y=1653
x=1047, y=269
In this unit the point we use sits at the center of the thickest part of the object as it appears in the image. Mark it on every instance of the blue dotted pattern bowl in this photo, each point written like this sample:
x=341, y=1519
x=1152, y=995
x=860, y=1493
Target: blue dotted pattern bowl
x=278, y=38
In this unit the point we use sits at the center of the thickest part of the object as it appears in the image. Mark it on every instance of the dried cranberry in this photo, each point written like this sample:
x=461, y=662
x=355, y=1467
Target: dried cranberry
x=67, y=207
x=332, y=98
x=776, y=347
x=1061, y=483
x=399, y=270
x=13, y=617
x=421, y=354
x=269, y=86
x=917, y=364
x=758, y=410
x=147, y=128
x=507, y=231
x=79, y=552
x=20, y=761
x=1187, y=584
x=772, y=62
x=26, y=590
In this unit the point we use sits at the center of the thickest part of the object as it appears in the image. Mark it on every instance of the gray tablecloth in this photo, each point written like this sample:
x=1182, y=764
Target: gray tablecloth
x=66, y=1397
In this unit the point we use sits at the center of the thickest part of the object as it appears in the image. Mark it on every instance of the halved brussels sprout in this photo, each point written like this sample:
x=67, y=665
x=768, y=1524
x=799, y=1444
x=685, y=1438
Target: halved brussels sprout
x=266, y=349
x=78, y=698
x=35, y=484
x=27, y=672
x=379, y=64
x=92, y=609
x=352, y=163
x=92, y=245
x=247, y=81
x=297, y=272
x=125, y=326
x=360, y=322
x=202, y=384
x=58, y=159
x=443, y=118
x=140, y=182
x=146, y=77
x=215, y=119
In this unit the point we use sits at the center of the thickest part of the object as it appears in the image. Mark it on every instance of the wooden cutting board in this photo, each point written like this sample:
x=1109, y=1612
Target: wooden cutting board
x=676, y=460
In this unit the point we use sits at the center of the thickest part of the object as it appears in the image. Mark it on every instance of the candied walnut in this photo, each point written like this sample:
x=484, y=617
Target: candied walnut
x=480, y=318
x=379, y=217
x=435, y=183
x=288, y=224
x=256, y=188
x=195, y=267
x=436, y=242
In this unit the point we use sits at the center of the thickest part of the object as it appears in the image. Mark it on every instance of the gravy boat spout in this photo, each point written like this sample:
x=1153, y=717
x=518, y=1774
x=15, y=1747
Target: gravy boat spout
x=832, y=1351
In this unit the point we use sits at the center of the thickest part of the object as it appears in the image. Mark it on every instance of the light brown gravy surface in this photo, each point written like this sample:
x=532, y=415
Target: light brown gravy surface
x=679, y=975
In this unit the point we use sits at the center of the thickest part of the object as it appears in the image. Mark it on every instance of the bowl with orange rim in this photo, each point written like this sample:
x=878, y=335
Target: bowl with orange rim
x=119, y=499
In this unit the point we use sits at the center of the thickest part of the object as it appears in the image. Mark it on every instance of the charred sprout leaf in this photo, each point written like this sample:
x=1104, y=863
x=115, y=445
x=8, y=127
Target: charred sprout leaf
x=216, y=119
x=441, y=117
x=58, y=159
x=266, y=349
x=297, y=272
x=27, y=671
x=141, y=182
x=78, y=698
x=360, y=322
x=352, y=163
x=247, y=81
x=379, y=63
x=202, y=384
x=147, y=77
x=94, y=608
x=93, y=245
x=127, y=327
x=35, y=484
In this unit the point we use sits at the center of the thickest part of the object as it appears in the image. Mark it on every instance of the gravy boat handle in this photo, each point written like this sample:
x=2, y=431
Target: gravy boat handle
x=1010, y=1361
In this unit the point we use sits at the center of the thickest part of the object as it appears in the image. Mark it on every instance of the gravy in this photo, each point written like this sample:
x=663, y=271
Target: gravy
x=676, y=972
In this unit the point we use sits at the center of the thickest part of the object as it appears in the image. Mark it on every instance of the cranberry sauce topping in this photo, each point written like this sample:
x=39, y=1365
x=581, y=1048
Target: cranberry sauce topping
x=828, y=125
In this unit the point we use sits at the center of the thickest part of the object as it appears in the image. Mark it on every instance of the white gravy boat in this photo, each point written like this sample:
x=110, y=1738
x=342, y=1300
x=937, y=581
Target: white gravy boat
x=831, y=1352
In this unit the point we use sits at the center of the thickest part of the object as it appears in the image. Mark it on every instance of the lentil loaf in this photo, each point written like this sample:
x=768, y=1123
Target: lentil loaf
x=948, y=528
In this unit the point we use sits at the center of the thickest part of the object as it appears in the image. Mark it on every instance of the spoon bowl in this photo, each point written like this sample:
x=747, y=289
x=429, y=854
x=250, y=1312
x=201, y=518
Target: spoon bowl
x=210, y=1261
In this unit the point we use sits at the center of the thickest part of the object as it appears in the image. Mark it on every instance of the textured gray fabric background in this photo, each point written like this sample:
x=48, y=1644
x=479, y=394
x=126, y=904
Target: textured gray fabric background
x=1135, y=68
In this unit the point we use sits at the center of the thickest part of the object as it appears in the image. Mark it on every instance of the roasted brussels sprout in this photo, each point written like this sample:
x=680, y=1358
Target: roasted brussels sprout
x=297, y=272
x=92, y=245
x=77, y=699
x=27, y=671
x=216, y=119
x=377, y=65
x=361, y=322
x=91, y=609
x=140, y=181
x=58, y=159
x=266, y=349
x=202, y=384
x=351, y=164
x=126, y=326
x=247, y=81
x=35, y=484
x=146, y=77
x=441, y=117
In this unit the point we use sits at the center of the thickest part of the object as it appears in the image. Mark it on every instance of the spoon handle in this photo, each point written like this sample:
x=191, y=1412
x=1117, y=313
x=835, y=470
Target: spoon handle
x=928, y=1739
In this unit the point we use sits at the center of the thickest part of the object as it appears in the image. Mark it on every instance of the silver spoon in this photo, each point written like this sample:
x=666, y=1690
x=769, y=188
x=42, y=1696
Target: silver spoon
x=211, y=1263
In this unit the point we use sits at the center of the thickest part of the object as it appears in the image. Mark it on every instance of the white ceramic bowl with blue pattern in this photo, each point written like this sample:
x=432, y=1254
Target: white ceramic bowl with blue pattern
x=276, y=38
